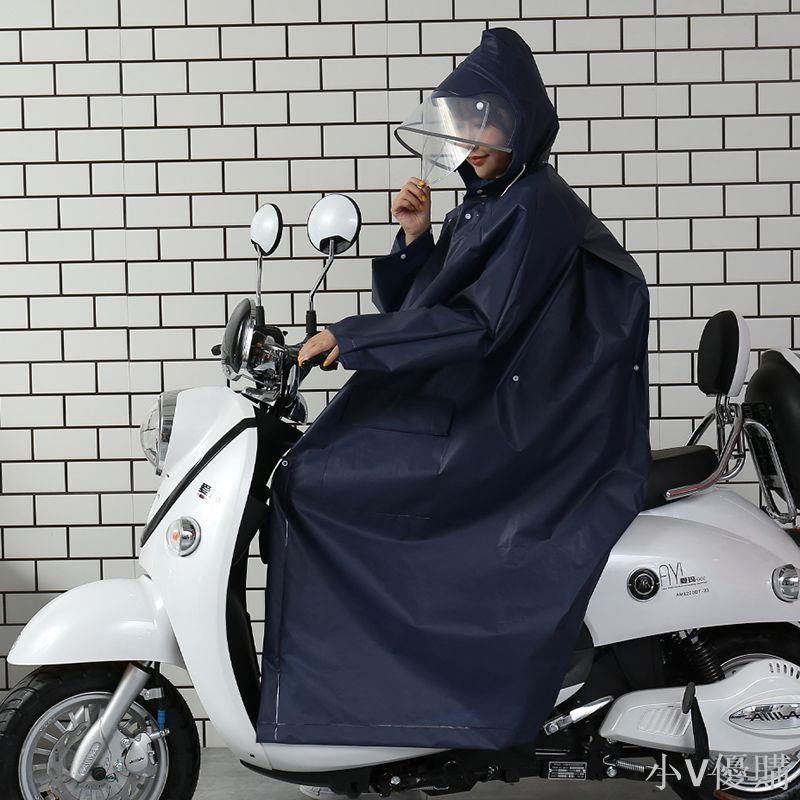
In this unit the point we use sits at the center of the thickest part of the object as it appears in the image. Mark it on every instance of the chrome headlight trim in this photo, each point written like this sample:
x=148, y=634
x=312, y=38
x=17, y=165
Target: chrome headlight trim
x=786, y=582
x=236, y=340
x=246, y=344
x=148, y=432
x=156, y=429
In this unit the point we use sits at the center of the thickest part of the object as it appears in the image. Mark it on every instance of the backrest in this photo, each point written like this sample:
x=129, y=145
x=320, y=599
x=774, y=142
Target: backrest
x=773, y=399
x=723, y=355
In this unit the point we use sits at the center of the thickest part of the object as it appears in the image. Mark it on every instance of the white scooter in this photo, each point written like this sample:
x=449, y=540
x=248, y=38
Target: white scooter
x=689, y=651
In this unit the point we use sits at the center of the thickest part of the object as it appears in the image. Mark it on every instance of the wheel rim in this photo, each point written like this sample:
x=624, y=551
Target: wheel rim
x=49, y=747
x=737, y=662
x=750, y=776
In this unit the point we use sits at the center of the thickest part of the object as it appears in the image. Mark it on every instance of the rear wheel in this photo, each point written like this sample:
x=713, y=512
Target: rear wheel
x=45, y=716
x=751, y=777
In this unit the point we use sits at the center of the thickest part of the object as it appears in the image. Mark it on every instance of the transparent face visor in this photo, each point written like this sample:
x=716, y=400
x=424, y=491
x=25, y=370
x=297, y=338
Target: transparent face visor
x=444, y=130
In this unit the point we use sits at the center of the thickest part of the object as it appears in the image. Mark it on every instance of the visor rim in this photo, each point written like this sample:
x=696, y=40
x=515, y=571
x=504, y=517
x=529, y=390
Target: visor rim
x=408, y=147
x=419, y=155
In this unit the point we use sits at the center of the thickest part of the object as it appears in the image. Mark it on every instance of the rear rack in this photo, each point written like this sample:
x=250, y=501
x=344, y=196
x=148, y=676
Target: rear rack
x=759, y=430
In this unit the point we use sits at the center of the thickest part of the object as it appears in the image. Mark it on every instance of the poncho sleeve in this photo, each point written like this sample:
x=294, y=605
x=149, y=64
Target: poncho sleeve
x=393, y=274
x=523, y=261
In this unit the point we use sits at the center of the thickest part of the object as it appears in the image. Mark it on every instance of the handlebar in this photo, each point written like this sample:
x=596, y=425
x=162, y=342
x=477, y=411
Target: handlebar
x=314, y=361
x=294, y=351
x=273, y=366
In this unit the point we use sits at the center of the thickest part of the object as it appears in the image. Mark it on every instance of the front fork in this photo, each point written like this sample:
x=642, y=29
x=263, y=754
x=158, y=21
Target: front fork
x=98, y=738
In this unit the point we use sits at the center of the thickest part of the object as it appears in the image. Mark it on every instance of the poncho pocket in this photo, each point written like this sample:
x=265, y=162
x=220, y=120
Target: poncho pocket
x=390, y=453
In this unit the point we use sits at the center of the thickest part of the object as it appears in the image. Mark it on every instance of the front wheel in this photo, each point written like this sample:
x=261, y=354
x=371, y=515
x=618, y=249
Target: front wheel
x=45, y=716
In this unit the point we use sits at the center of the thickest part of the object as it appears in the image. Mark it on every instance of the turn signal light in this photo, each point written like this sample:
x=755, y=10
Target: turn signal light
x=183, y=536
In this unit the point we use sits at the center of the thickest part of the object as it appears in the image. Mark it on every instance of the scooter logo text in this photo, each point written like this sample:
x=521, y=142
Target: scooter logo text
x=771, y=716
x=672, y=575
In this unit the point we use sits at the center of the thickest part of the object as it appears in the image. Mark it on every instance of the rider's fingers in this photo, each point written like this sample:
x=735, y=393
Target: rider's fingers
x=416, y=190
x=332, y=356
x=405, y=204
x=310, y=349
x=409, y=199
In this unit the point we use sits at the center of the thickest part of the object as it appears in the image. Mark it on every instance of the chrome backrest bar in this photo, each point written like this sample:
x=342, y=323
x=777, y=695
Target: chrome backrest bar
x=739, y=458
x=701, y=428
x=724, y=458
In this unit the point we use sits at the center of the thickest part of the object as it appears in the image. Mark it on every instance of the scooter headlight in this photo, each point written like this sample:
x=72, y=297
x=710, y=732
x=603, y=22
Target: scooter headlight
x=157, y=428
x=786, y=582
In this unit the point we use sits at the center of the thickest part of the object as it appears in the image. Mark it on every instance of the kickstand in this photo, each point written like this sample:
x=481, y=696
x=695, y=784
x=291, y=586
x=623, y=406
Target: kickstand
x=689, y=705
x=701, y=758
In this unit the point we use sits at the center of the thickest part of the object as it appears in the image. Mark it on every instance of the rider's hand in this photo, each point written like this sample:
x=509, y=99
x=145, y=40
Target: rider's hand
x=320, y=343
x=412, y=208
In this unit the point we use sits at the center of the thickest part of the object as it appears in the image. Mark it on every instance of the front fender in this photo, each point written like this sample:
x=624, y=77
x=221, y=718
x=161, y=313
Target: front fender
x=109, y=620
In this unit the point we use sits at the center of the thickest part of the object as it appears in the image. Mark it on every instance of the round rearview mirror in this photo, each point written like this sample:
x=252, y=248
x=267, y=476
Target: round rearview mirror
x=266, y=228
x=334, y=220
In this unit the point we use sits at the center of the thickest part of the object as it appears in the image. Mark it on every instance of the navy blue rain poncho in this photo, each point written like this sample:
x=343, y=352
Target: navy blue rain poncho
x=435, y=536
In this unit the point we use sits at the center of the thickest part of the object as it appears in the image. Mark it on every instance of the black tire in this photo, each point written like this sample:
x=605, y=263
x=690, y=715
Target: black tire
x=780, y=640
x=45, y=687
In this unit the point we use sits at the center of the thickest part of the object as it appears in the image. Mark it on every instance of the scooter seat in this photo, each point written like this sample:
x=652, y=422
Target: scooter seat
x=677, y=466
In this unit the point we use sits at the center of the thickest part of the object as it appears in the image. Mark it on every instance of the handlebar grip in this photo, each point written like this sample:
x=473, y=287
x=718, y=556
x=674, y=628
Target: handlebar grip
x=318, y=360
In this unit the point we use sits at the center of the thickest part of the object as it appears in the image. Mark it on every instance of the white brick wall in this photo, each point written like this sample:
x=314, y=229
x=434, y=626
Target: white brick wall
x=136, y=139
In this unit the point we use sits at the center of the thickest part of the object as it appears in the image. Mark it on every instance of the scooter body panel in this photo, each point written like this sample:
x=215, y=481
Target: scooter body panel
x=713, y=554
x=128, y=615
x=194, y=587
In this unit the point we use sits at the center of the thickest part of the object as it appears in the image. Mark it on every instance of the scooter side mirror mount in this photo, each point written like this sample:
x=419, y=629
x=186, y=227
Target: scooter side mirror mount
x=265, y=234
x=333, y=227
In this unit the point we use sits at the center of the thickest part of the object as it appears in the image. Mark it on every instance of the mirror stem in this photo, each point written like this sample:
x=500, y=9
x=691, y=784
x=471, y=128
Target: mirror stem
x=259, y=308
x=311, y=314
x=258, y=275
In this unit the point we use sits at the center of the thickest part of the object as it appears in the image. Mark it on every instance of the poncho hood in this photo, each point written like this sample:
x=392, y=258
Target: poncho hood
x=503, y=63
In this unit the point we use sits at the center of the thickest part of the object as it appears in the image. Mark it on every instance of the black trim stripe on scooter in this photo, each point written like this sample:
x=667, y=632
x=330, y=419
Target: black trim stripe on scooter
x=225, y=439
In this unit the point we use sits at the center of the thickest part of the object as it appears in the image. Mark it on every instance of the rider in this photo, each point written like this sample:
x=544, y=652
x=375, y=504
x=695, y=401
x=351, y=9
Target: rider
x=435, y=536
